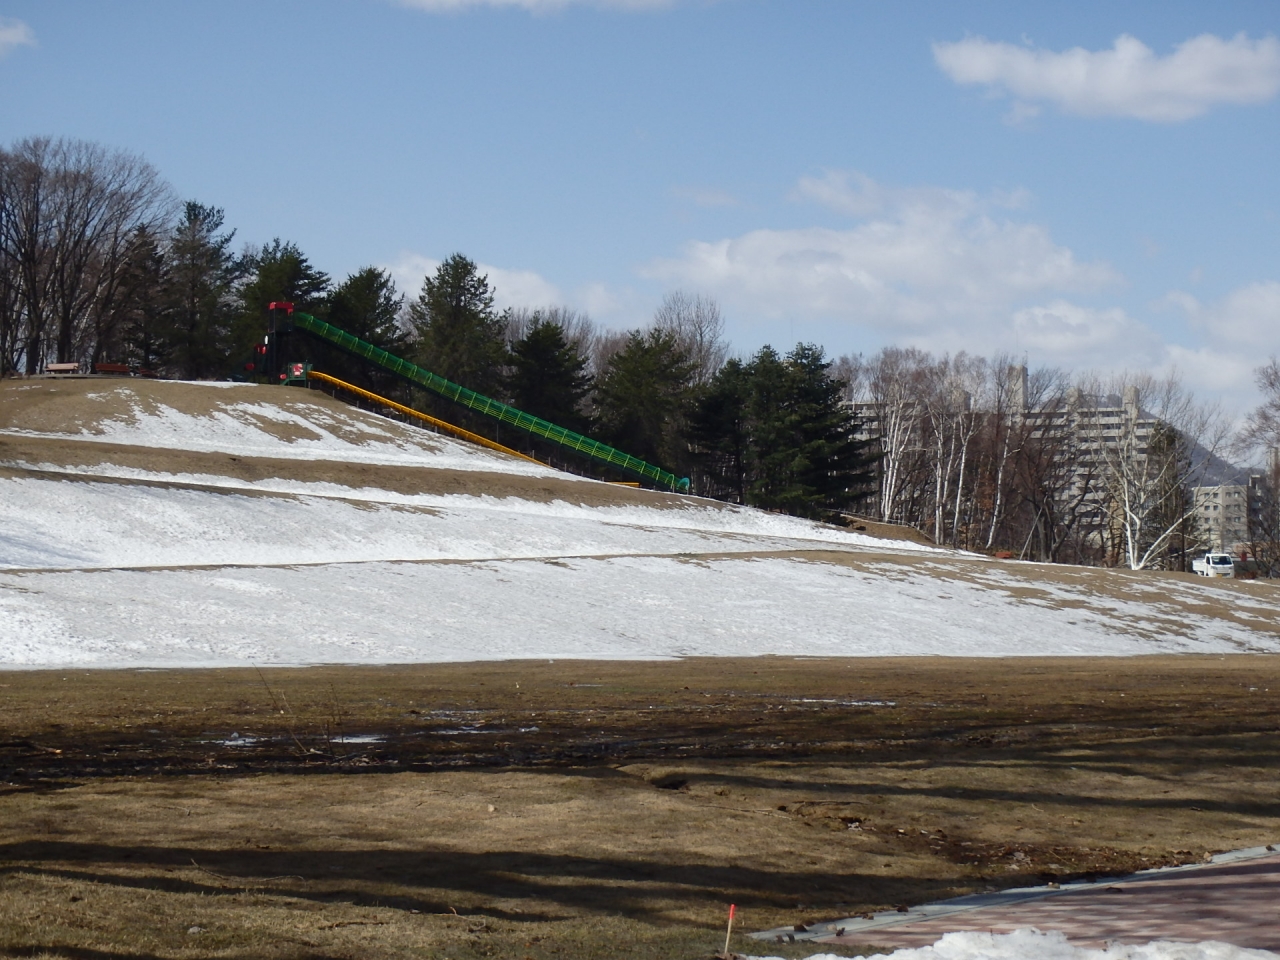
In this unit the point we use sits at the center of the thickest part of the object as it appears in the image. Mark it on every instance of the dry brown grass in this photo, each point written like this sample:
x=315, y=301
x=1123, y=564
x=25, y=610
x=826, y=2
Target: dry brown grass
x=649, y=797
x=74, y=410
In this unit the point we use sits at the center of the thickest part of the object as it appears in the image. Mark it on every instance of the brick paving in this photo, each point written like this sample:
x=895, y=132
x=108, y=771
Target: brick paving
x=1236, y=901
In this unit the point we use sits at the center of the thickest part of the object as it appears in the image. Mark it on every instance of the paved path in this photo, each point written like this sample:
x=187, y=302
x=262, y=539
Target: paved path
x=1235, y=899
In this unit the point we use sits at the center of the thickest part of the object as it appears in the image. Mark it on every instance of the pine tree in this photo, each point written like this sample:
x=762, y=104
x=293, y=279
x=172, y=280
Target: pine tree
x=805, y=455
x=277, y=272
x=548, y=377
x=771, y=453
x=367, y=306
x=146, y=328
x=201, y=274
x=774, y=433
x=459, y=334
x=642, y=398
x=719, y=434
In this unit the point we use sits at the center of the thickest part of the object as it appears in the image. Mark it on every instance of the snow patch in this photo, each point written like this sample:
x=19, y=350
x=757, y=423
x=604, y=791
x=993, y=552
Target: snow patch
x=1053, y=945
x=628, y=608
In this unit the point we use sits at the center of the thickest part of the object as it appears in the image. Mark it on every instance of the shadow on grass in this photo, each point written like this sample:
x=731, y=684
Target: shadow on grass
x=73, y=953
x=423, y=880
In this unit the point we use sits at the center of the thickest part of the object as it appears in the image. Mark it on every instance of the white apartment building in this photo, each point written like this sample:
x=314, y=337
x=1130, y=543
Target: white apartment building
x=1222, y=515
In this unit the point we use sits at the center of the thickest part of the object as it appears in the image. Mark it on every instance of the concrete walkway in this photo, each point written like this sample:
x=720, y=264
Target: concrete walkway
x=1234, y=898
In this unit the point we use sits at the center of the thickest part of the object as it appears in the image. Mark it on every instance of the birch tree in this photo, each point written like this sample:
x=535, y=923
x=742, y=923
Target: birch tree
x=894, y=385
x=1161, y=443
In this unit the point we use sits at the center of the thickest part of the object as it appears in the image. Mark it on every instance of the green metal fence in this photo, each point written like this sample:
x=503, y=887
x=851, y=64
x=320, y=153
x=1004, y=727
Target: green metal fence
x=493, y=408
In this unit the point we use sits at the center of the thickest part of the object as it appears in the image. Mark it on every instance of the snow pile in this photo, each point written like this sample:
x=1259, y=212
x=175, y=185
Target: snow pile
x=1034, y=945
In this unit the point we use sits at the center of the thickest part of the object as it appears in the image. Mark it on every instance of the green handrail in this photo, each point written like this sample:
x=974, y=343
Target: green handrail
x=493, y=408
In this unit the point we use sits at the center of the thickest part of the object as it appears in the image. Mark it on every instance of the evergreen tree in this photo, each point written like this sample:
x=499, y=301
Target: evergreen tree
x=719, y=433
x=367, y=306
x=548, y=376
x=774, y=433
x=460, y=336
x=642, y=398
x=277, y=272
x=772, y=423
x=805, y=455
x=201, y=274
x=146, y=328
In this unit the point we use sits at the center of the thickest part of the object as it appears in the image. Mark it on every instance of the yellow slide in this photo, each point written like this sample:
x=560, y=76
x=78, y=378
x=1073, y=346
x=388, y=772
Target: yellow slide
x=409, y=411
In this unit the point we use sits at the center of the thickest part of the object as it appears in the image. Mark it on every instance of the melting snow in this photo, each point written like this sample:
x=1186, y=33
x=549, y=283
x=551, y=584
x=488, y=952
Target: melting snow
x=1034, y=945
x=100, y=569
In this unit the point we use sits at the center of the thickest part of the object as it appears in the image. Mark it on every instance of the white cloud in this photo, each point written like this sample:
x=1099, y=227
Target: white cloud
x=919, y=258
x=599, y=300
x=511, y=288
x=1128, y=80
x=533, y=6
x=1247, y=317
x=1065, y=333
x=1228, y=376
x=13, y=34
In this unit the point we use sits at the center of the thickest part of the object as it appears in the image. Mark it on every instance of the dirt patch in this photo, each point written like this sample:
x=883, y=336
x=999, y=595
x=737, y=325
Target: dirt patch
x=31, y=456
x=598, y=809
x=889, y=531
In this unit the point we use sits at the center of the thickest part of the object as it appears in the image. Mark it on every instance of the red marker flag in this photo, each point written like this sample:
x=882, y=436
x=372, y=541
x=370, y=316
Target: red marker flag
x=728, y=933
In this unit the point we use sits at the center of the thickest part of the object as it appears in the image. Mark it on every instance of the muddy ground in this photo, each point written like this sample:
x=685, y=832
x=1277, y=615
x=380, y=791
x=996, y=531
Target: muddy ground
x=585, y=809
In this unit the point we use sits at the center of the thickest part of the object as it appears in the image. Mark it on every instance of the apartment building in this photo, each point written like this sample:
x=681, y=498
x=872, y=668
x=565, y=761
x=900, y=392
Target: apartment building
x=1222, y=516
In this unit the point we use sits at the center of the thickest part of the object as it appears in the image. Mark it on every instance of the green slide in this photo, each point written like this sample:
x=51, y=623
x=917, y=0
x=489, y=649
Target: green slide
x=499, y=411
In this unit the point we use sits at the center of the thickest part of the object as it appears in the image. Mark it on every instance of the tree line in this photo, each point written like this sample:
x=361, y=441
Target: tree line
x=983, y=454
x=99, y=262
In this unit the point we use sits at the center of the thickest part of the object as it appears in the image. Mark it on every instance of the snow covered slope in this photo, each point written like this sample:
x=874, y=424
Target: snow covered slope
x=166, y=523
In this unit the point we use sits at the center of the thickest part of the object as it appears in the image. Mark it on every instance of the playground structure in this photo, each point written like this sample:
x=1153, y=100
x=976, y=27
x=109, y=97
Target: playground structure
x=283, y=318
x=308, y=374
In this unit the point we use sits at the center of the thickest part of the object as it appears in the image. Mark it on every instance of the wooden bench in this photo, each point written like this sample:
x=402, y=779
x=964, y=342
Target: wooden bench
x=62, y=368
x=118, y=369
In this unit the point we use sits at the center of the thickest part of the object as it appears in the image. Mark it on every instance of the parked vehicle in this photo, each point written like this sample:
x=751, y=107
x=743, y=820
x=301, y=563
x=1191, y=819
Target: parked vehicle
x=1214, y=565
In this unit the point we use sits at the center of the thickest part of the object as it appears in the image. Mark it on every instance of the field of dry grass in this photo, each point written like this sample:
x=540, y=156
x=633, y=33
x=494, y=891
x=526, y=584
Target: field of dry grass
x=597, y=809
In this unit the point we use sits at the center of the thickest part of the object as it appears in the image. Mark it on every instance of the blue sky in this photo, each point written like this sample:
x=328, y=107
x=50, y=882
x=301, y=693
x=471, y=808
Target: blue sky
x=1091, y=184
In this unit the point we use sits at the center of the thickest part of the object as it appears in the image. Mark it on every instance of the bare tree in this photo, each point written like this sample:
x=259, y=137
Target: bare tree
x=605, y=344
x=895, y=383
x=1262, y=428
x=1055, y=482
x=1264, y=515
x=1152, y=447
x=851, y=370
x=698, y=327
x=951, y=385
x=71, y=212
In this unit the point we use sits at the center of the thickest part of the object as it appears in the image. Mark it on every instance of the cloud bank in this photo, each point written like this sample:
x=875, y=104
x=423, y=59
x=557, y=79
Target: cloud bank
x=950, y=270
x=1128, y=80
x=916, y=260
x=937, y=268
x=14, y=34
